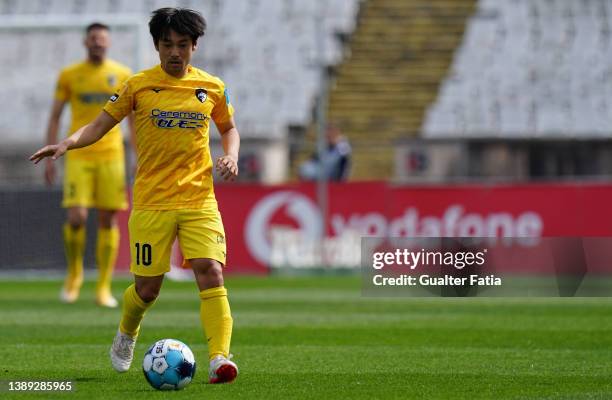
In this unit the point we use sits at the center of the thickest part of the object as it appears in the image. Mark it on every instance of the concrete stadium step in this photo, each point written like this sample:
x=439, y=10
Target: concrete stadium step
x=396, y=59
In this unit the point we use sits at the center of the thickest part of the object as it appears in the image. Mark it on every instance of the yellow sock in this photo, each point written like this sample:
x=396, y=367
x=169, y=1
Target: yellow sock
x=216, y=320
x=74, y=247
x=107, y=248
x=133, y=311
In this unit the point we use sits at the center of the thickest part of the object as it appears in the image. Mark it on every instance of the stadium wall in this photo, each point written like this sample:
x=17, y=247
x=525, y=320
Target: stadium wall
x=277, y=225
x=497, y=160
x=31, y=234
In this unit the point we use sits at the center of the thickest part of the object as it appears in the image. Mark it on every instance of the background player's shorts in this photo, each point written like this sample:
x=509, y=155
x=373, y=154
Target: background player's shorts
x=95, y=184
x=200, y=233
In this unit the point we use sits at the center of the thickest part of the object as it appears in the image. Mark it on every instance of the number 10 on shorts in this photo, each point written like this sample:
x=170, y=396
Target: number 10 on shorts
x=143, y=253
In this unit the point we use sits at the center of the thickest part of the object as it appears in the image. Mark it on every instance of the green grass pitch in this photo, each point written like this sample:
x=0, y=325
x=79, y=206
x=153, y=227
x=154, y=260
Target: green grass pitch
x=317, y=338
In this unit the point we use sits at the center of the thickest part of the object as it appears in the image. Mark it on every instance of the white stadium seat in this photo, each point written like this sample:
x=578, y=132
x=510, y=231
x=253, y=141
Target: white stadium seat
x=265, y=50
x=541, y=68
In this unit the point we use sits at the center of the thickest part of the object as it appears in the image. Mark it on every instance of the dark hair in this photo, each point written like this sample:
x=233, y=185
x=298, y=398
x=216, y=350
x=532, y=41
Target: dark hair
x=96, y=25
x=181, y=20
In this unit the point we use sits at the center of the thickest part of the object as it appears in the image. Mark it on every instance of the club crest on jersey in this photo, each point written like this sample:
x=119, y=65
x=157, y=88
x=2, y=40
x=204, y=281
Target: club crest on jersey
x=114, y=97
x=201, y=94
x=111, y=80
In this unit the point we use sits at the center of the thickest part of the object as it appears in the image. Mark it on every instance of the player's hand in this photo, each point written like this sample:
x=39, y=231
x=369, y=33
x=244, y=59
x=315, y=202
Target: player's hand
x=49, y=172
x=54, y=151
x=227, y=167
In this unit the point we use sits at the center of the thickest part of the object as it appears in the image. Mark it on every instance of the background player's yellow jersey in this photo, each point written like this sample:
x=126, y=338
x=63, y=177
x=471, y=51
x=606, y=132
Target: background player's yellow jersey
x=87, y=87
x=172, y=132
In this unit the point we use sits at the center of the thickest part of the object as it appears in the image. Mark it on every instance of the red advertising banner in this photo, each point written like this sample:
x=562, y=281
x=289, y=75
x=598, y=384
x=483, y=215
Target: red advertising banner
x=251, y=212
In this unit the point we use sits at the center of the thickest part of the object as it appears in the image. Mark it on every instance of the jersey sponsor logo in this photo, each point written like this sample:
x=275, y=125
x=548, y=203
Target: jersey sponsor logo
x=111, y=79
x=201, y=94
x=178, y=119
x=114, y=97
x=93, y=98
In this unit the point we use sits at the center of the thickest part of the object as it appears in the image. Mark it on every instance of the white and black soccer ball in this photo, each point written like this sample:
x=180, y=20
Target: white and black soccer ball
x=169, y=365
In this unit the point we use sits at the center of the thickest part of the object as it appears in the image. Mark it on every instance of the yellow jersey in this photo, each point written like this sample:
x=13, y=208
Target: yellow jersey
x=172, y=118
x=87, y=87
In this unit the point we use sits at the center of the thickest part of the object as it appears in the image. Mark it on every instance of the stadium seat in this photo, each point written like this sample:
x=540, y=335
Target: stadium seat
x=266, y=51
x=546, y=64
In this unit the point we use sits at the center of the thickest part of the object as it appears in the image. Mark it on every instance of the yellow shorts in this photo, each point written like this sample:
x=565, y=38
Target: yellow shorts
x=152, y=233
x=95, y=184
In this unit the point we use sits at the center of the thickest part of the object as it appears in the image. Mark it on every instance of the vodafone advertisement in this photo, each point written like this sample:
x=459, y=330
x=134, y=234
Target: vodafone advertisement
x=258, y=218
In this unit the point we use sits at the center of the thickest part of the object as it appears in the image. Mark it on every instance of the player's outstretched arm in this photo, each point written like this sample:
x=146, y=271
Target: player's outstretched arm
x=52, y=130
x=227, y=165
x=85, y=136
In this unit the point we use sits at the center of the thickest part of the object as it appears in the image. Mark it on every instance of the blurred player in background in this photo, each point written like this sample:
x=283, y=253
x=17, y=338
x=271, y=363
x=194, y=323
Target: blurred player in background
x=173, y=105
x=94, y=178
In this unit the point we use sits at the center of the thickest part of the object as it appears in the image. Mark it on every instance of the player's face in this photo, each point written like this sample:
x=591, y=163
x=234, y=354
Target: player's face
x=97, y=43
x=175, y=53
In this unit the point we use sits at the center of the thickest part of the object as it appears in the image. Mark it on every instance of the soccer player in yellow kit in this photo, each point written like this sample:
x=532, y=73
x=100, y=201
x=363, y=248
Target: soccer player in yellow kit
x=173, y=105
x=94, y=178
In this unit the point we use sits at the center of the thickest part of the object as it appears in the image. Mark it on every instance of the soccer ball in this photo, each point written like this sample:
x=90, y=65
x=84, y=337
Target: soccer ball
x=169, y=365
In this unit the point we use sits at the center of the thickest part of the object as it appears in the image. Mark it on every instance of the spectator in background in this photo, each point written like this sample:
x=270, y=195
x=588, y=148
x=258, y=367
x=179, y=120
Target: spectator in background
x=336, y=162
